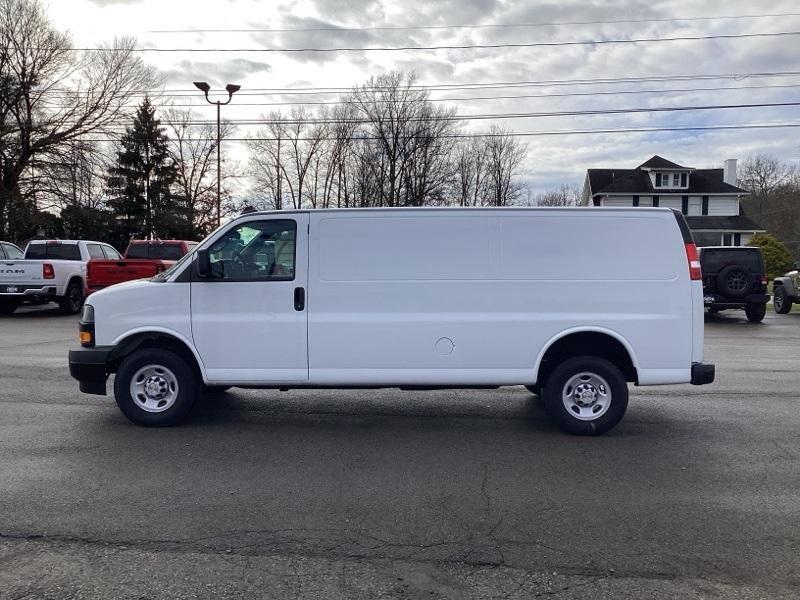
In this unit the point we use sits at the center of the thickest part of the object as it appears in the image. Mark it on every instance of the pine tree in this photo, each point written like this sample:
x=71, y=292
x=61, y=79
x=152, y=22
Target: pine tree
x=142, y=183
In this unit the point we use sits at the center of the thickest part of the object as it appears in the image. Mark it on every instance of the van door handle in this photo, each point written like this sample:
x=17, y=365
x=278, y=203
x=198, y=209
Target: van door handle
x=299, y=298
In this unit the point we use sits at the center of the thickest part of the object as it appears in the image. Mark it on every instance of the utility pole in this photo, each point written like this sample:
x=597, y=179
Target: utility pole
x=231, y=89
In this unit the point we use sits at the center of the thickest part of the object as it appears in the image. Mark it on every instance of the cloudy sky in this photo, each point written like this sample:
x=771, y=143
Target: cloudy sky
x=543, y=77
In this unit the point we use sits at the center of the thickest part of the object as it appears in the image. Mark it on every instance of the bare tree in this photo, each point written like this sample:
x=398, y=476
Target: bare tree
x=409, y=135
x=564, y=195
x=52, y=96
x=193, y=150
x=504, y=155
x=762, y=173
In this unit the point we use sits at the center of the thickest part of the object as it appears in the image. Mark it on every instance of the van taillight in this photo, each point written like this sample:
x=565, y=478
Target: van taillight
x=48, y=272
x=694, y=263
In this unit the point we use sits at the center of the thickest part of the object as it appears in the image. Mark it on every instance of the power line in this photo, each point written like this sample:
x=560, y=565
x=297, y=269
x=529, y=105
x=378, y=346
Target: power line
x=472, y=26
x=512, y=97
x=446, y=87
x=514, y=134
x=456, y=46
x=482, y=117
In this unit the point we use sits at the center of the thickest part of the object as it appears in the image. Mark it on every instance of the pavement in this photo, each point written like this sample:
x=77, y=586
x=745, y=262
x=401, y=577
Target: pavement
x=390, y=494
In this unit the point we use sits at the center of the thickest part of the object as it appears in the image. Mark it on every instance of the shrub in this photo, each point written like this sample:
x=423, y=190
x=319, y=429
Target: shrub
x=777, y=258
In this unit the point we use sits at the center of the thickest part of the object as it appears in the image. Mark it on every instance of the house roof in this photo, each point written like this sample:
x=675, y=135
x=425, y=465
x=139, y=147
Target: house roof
x=730, y=223
x=637, y=181
x=659, y=162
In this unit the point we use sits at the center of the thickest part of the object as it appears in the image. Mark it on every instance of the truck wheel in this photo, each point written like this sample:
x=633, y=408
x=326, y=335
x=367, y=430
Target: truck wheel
x=756, y=312
x=780, y=302
x=72, y=301
x=155, y=388
x=586, y=395
x=8, y=306
x=534, y=389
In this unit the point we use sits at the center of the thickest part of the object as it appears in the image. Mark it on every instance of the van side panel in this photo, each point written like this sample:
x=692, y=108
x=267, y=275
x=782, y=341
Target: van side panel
x=427, y=297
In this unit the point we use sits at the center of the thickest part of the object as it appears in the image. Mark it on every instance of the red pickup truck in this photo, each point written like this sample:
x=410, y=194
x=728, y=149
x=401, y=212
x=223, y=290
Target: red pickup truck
x=143, y=259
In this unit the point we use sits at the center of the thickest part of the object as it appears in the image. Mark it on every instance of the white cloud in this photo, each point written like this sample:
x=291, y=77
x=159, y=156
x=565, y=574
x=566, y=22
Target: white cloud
x=551, y=160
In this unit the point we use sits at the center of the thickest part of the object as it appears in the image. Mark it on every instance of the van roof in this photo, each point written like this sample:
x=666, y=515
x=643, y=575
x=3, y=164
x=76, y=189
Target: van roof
x=583, y=209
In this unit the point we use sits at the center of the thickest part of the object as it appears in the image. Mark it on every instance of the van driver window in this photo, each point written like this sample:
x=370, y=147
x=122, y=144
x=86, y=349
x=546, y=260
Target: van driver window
x=255, y=251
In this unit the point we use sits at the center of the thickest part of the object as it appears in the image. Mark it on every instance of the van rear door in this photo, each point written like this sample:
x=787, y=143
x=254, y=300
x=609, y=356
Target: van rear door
x=248, y=316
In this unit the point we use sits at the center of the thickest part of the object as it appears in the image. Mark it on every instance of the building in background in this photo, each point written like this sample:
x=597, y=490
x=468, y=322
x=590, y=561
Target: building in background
x=708, y=198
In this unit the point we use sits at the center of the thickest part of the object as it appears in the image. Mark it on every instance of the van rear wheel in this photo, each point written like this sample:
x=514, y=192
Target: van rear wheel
x=155, y=388
x=586, y=395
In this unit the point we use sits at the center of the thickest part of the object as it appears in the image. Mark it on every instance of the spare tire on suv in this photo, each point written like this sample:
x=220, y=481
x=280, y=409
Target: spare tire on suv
x=734, y=277
x=735, y=281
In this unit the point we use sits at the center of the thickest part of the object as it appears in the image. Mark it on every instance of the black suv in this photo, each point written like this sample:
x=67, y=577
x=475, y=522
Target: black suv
x=733, y=277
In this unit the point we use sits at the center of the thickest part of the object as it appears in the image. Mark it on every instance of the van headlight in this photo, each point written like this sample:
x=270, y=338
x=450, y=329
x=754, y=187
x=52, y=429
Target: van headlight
x=86, y=326
x=87, y=314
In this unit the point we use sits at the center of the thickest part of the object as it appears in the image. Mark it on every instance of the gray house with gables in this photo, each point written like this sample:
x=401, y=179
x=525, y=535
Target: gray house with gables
x=709, y=198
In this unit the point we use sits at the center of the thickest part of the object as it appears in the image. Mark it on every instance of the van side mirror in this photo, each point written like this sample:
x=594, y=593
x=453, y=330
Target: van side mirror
x=203, y=263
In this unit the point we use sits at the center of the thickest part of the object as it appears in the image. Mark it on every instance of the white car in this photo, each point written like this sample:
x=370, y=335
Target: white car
x=50, y=270
x=573, y=303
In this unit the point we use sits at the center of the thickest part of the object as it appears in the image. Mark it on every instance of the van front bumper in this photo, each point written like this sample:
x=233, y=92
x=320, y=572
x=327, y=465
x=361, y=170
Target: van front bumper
x=90, y=367
x=702, y=373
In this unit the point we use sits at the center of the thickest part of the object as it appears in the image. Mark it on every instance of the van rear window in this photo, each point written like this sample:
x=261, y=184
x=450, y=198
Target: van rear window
x=53, y=252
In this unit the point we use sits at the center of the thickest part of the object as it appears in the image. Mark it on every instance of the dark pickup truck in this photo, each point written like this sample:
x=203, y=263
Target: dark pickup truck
x=143, y=259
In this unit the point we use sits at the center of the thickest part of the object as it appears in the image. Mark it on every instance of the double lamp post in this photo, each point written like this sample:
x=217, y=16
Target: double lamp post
x=231, y=89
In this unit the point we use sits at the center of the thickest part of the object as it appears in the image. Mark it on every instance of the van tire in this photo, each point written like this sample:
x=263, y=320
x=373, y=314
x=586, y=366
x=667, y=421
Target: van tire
x=534, y=389
x=781, y=301
x=8, y=306
x=599, y=377
x=165, y=370
x=72, y=300
x=756, y=312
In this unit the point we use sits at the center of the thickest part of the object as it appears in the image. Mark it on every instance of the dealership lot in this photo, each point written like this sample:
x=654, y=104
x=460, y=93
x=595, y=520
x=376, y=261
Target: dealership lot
x=447, y=494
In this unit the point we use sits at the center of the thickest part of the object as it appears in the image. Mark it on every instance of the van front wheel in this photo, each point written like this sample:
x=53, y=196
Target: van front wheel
x=586, y=395
x=155, y=388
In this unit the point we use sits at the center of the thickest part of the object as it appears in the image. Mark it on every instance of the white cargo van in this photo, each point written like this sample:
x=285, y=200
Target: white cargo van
x=573, y=303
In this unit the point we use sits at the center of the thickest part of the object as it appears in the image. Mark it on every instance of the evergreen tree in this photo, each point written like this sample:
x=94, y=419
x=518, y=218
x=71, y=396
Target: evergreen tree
x=142, y=183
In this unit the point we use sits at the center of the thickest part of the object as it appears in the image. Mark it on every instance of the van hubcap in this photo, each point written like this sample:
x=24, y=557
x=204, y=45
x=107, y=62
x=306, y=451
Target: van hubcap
x=154, y=388
x=586, y=396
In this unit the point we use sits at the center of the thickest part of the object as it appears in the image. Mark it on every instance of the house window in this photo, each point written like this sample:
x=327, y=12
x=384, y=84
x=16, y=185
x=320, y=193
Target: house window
x=695, y=207
x=658, y=179
x=675, y=179
x=727, y=239
x=684, y=179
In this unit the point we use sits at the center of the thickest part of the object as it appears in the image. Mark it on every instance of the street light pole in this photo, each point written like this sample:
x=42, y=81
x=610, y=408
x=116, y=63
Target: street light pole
x=231, y=89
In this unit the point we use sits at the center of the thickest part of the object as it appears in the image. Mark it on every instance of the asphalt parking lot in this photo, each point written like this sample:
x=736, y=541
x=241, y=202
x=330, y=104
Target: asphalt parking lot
x=364, y=494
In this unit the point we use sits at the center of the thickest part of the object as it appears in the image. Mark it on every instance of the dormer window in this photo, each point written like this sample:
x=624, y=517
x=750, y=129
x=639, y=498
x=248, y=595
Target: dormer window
x=671, y=180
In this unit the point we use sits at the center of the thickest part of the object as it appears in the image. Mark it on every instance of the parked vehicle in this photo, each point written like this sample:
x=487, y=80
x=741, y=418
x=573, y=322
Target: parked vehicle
x=143, y=259
x=9, y=251
x=562, y=300
x=51, y=270
x=786, y=291
x=734, y=277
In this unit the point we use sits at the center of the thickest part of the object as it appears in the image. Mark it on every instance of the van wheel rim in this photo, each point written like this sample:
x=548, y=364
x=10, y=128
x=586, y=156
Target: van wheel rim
x=154, y=388
x=586, y=396
x=778, y=301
